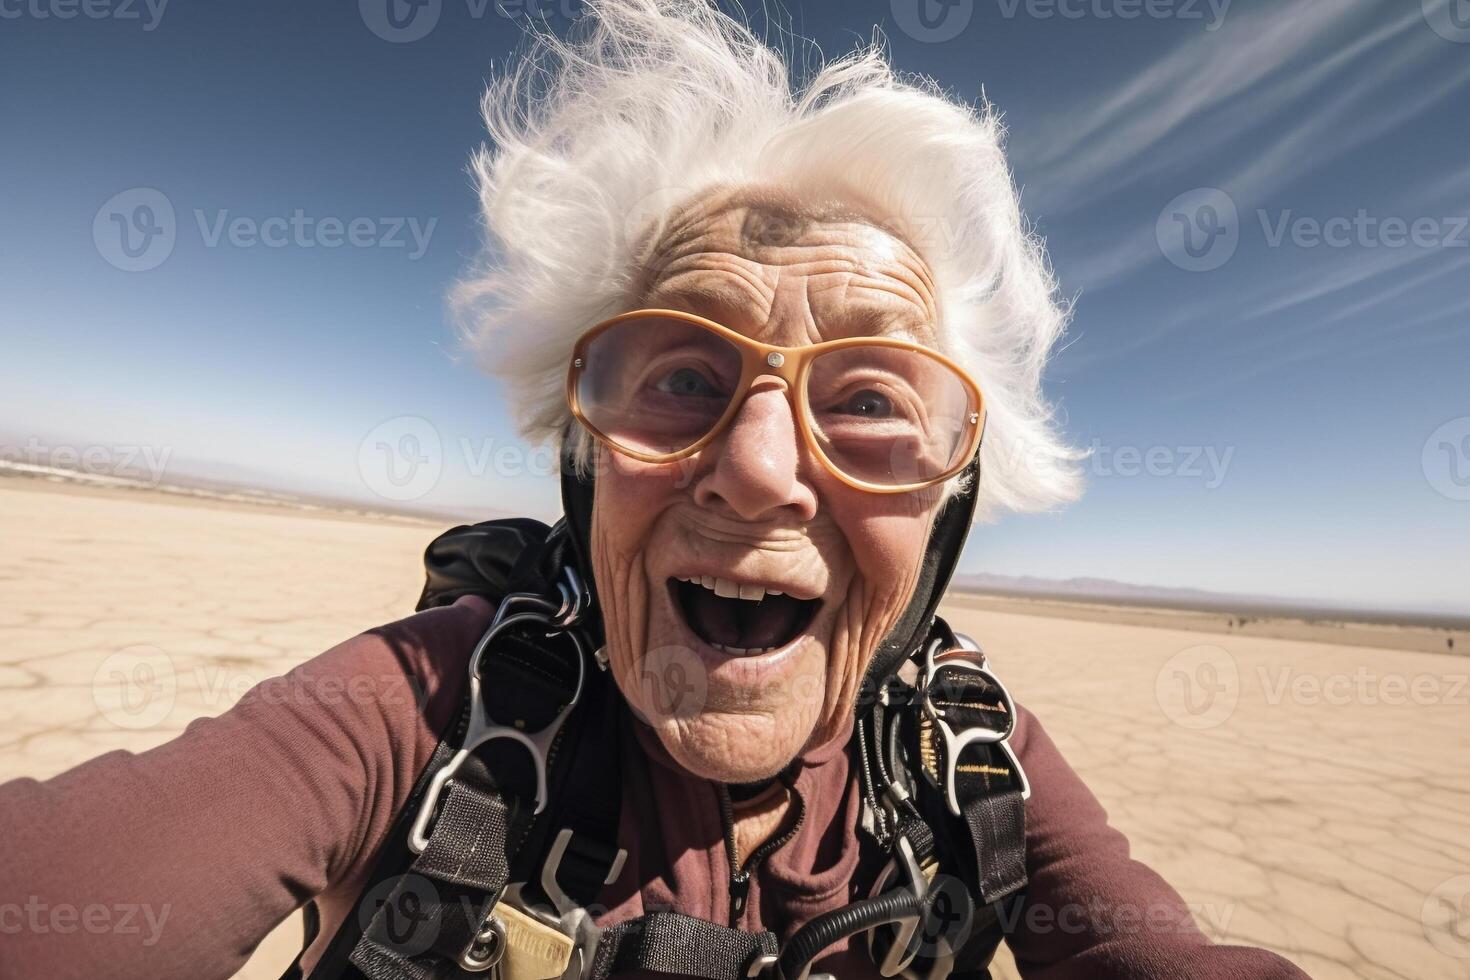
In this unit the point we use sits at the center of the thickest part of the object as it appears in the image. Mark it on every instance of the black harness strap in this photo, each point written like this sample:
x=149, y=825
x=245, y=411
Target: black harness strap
x=681, y=945
x=433, y=913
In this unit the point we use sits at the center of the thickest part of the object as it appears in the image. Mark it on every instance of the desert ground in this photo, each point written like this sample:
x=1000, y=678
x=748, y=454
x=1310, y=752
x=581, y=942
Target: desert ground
x=1305, y=795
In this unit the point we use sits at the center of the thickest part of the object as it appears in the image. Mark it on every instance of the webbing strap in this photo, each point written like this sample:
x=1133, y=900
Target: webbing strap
x=987, y=781
x=681, y=945
x=435, y=909
x=997, y=821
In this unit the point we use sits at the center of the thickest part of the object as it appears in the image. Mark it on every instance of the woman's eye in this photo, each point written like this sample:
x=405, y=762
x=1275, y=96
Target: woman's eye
x=687, y=383
x=867, y=404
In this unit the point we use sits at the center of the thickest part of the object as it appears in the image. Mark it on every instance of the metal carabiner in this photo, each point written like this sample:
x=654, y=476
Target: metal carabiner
x=482, y=728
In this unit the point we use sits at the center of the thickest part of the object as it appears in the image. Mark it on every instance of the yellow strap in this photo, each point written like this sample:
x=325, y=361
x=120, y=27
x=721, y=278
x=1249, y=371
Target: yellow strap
x=533, y=950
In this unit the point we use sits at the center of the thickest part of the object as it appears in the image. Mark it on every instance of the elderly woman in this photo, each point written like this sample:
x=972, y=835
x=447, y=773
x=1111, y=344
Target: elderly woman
x=709, y=724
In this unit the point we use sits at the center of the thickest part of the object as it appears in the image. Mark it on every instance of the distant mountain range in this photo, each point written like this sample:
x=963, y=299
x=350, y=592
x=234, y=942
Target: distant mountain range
x=1107, y=591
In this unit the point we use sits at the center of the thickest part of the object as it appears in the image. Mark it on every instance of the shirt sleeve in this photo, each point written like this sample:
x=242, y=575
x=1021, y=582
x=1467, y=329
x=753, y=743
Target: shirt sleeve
x=1094, y=913
x=176, y=862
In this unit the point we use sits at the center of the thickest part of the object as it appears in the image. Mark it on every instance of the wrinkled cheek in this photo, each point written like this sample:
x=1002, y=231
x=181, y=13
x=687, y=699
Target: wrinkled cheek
x=618, y=565
x=873, y=606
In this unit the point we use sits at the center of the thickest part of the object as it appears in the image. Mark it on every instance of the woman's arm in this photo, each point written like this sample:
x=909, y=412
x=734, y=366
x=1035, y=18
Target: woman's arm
x=1092, y=912
x=176, y=862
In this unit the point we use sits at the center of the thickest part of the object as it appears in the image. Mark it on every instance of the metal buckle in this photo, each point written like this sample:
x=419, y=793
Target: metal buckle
x=484, y=729
x=569, y=918
x=956, y=742
x=486, y=948
x=901, y=950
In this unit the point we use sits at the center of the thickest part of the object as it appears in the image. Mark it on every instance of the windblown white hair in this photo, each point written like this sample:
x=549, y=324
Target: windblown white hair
x=597, y=141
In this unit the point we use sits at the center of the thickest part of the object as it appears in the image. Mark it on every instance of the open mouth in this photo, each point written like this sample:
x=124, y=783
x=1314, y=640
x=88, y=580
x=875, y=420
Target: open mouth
x=740, y=619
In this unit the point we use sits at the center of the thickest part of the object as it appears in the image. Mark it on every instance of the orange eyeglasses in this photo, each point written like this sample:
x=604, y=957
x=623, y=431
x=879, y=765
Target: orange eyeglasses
x=882, y=414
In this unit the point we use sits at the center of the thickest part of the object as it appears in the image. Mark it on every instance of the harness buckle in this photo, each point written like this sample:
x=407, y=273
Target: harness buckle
x=892, y=945
x=482, y=728
x=486, y=948
x=566, y=916
x=940, y=698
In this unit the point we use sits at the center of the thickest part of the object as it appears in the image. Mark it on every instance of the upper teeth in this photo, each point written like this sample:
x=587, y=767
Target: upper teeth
x=728, y=589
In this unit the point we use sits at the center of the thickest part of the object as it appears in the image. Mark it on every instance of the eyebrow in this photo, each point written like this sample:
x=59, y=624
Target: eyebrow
x=723, y=303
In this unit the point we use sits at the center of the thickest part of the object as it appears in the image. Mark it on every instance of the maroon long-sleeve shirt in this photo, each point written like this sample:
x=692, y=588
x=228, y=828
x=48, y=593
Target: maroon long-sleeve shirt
x=176, y=862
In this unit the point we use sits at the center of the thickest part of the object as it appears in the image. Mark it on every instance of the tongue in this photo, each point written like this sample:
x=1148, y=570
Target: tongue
x=741, y=623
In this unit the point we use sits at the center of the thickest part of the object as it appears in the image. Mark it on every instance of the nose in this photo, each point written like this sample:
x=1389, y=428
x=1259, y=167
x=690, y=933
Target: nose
x=756, y=468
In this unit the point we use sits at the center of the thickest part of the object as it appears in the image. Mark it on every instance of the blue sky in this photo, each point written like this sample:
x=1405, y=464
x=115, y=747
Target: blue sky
x=1259, y=207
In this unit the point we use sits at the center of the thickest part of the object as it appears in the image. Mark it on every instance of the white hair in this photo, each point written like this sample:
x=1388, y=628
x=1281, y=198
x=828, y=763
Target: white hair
x=597, y=141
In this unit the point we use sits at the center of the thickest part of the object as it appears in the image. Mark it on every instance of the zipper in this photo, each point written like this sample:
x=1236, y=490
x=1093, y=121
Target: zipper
x=740, y=873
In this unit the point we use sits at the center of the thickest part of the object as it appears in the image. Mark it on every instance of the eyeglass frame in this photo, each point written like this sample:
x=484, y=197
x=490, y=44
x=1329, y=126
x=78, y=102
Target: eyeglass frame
x=791, y=365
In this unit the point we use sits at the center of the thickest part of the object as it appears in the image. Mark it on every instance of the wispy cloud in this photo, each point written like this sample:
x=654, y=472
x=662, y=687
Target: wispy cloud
x=1217, y=87
x=1276, y=95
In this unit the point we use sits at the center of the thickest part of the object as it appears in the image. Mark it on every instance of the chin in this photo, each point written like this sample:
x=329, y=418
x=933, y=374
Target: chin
x=734, y=689
x=735, y=748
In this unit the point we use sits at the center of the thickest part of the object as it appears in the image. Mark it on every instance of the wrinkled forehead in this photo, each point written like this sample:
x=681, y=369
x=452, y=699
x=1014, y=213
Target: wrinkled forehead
x=790, y=271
